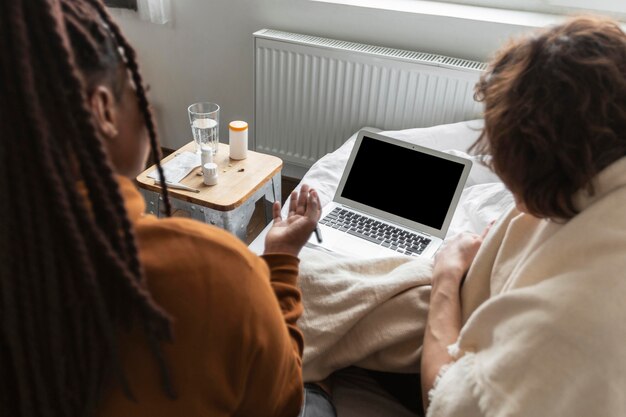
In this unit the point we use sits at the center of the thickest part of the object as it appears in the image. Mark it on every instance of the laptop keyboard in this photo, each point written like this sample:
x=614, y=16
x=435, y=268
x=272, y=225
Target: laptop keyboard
x=375, y=231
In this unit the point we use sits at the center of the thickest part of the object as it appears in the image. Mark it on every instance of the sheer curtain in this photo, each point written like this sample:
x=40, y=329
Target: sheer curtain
x=155, y=11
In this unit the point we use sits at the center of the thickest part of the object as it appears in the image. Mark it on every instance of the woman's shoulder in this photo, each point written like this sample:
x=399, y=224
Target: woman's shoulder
x=211, y=286
x=203, y=264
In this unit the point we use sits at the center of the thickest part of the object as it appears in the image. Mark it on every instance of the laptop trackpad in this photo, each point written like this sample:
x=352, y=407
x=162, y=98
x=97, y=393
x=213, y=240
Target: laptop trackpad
x=357, y=247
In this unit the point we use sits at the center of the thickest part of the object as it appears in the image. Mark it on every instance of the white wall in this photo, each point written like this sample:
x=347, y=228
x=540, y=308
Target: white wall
x=207, y=53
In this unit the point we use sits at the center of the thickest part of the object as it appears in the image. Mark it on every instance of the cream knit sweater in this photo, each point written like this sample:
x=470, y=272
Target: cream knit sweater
x=544, y=312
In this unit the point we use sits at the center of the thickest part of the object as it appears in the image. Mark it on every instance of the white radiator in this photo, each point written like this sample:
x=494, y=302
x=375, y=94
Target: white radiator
x=312, y=93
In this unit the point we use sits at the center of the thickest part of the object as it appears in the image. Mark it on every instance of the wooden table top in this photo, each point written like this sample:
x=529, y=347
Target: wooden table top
x=237, y=180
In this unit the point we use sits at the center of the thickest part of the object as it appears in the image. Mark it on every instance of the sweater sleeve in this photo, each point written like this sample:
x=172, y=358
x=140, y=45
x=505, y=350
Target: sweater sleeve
x=274, y=369
x=283, y=279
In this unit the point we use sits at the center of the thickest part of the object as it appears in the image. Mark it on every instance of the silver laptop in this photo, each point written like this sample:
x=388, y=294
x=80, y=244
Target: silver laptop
x=393, y=198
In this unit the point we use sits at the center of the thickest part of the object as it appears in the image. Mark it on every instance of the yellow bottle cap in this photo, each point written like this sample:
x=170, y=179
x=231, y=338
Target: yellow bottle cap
x=238, y=126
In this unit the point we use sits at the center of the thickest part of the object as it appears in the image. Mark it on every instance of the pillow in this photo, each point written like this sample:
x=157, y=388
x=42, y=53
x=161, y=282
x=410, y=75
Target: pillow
x=459, y=136
x=325, y=174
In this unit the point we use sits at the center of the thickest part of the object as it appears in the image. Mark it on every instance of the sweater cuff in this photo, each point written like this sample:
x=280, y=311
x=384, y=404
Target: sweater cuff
x=283, y=267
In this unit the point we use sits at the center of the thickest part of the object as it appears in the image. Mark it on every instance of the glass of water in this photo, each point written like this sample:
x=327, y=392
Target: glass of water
x=205, y=125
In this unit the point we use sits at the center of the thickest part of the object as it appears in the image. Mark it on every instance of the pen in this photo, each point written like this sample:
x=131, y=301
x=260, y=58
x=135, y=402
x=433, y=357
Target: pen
x=318, y=234
x=178, y=186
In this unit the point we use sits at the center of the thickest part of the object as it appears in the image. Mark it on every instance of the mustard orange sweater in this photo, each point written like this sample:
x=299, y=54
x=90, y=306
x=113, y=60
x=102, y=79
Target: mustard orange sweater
x=237, y=350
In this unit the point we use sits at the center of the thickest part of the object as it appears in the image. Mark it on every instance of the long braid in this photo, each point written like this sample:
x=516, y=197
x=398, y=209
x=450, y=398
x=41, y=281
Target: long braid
x=133, y=66
x=112, y=189
x=62, y=285
x=68, y=185
x=91, y=166
x=130, y=247
x=28, y=385
x=105, y=323
x=42, y=290
x=131, y=62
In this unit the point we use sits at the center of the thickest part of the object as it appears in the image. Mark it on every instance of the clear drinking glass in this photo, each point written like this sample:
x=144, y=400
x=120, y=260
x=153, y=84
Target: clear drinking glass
x=205, y=124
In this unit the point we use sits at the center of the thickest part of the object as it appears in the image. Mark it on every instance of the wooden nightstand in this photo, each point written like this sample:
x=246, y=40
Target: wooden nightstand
x=230, y=203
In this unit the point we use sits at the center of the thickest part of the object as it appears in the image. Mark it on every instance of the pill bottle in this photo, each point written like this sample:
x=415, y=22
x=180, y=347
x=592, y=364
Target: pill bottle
x=206, y=155
x=238, y=139
x=209, y=173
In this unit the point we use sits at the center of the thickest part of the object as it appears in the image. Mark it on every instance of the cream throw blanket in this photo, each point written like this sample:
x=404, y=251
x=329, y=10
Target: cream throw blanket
x=544, y=307
x=368, y=313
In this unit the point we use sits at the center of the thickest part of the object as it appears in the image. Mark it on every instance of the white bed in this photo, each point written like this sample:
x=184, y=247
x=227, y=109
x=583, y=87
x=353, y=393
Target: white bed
x=484, y=199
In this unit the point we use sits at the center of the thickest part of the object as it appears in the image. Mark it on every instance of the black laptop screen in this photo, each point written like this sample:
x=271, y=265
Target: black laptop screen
x=403, y=182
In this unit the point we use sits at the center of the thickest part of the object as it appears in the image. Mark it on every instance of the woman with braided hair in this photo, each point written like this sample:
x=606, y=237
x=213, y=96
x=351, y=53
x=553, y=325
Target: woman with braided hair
x=104, y=310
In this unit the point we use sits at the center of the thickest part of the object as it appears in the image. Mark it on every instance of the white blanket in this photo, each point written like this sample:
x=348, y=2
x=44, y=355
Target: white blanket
x=371, y=313
x=368, y=313
x=544, y=314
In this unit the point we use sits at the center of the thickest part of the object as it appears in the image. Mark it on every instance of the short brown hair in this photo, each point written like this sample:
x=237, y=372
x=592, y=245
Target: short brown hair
x=555, y=112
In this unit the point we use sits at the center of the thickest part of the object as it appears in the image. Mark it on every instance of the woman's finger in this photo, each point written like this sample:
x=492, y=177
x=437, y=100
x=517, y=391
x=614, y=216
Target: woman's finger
x=319, y=203
x=302, y=199
x=276, y=211
x=487, y=229
x=316, y=205
x=313, y=206
x=293, y=201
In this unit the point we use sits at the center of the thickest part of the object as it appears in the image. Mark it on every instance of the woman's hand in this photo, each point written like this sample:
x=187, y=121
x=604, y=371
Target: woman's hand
x=289, y=235
x=444, y=315
x=455, y=257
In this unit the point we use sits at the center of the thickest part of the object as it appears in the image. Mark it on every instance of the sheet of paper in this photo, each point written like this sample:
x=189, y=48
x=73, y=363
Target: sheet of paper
x=178, y=167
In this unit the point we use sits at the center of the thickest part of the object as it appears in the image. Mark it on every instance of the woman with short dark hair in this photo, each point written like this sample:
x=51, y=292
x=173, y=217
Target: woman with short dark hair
x=538, y=325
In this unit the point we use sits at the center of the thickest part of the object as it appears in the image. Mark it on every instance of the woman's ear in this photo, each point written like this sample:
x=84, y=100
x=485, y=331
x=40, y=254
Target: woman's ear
x=104, y=111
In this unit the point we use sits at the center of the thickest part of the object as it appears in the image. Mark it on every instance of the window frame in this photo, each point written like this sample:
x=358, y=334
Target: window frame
x=615, y=8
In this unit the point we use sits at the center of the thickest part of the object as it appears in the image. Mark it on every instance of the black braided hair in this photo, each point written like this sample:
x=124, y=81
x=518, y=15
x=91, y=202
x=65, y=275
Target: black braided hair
x=70, y=274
